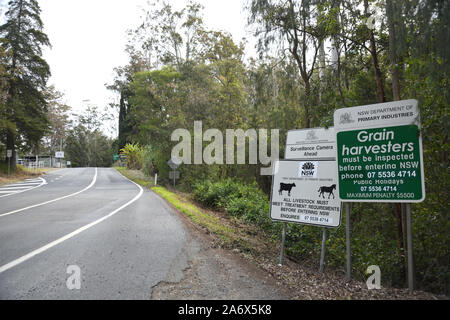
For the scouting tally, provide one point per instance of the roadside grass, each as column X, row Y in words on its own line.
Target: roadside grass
column 231, row 233
column 300, row 277
column 21, row 173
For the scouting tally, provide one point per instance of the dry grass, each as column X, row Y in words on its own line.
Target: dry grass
column 23, row 173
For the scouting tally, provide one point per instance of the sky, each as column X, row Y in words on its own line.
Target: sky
column 88, row 39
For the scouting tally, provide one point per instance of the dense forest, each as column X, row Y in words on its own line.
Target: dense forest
column 312, row 57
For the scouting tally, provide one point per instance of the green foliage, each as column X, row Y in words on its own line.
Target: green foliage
column 195, row 74
column 23, row 110
column 133, row 152
column 245, row 201
column 85, row 148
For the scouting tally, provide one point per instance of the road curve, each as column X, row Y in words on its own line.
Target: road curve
column 121, row 238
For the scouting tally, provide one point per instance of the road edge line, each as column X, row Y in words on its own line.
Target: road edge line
column 72, row 234
column 53, row 200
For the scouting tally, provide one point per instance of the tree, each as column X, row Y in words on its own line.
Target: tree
column 26, row 106
column 58, row 116
column 297, row 23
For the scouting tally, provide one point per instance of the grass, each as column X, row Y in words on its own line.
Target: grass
column 21, row 173
column 302, row 279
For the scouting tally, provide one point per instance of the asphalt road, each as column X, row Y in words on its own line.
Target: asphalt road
column 122, row 240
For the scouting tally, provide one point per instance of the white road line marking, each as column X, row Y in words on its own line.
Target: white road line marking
column 70, row 235
column 14, row 188
column 43, row 182
column 21, row 184
column 8, row 191
column 57, row 199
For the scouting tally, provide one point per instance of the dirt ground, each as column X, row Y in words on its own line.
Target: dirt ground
column 213, row 272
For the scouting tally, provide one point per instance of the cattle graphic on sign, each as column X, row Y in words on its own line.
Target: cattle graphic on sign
column 328, row 190
column 286, row 187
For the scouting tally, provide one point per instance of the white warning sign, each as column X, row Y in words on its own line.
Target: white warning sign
column 306, row 192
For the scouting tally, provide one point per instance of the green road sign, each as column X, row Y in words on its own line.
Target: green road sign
column 116, row 157
column 380, row 162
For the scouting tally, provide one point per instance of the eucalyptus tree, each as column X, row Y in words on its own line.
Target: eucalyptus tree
column 296, row 23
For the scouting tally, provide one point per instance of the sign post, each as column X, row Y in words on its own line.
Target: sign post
column 9, row 155
column 283, row 238
column 322, row 252
column 347, row 242
column 379, row 152
column 317, row 144
column 59, row 155
column 174, row 174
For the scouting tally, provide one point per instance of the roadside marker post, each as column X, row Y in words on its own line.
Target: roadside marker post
column 380, row 160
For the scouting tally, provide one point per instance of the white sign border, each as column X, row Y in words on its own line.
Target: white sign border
column 338, row 129
column 303, row 223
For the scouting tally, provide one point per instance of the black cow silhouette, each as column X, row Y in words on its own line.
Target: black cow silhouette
column 328, row 190
column 286, row 186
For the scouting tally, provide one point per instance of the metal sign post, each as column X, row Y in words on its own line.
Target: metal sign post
column 315, row 146
column 380, row 159
column 347, row 241
column 9, row 155
column 322, row 253
column 410, row 247
column 283, row 238
column 174, row 175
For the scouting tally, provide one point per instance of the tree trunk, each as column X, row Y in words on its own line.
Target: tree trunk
column 374, row 54
column 395, row 74
column 393, row 56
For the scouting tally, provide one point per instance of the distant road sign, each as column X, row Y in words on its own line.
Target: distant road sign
column 305, row 192
column 59, row 154
column 316, row 143
column 8, row 153
column 173, row 164
column 69, row 163
column 380, row 153
column 116, row 157
column 174, row 175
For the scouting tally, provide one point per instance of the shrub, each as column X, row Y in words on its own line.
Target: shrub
column 134, row 155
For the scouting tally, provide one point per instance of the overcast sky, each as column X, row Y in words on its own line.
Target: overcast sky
column 88, row 38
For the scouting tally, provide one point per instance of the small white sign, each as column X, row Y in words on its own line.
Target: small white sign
column 316, row 143
column 311, row 200
column 59, row 154
column 174, row 175
column 68, row 163
column 174, row 163
column 8, row 153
